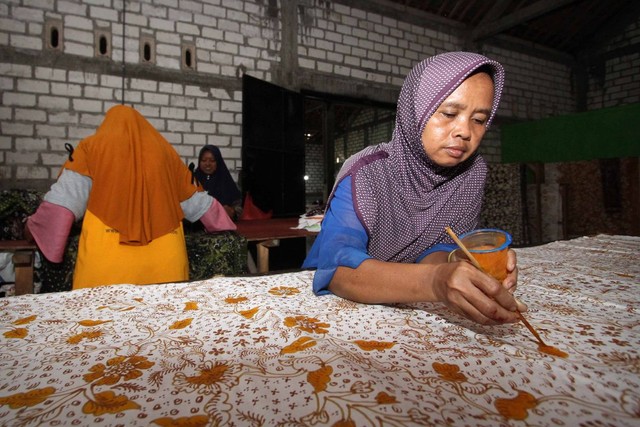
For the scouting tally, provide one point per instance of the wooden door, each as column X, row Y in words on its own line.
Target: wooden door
column 273, row 151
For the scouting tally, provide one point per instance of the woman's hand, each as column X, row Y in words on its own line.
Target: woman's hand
column 229, row 210
column 26, row 233
column 463, row 288
column 475, row 295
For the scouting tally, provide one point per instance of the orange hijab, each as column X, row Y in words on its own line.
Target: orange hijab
column 138, row 178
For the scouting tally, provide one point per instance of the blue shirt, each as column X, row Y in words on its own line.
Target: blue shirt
column 343, row 240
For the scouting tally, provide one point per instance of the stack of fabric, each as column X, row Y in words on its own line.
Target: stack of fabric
column 312, row 219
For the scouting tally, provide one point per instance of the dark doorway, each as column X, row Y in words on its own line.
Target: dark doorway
column 336, row 128
column 295, row 143
column 273, row 149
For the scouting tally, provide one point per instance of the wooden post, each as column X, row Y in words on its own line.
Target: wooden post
column 263, row 254
column 23, row 263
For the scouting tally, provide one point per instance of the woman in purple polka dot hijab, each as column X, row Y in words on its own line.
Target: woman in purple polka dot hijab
column 383, row 236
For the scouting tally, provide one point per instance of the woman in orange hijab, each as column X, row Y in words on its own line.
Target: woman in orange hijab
column 133, row 191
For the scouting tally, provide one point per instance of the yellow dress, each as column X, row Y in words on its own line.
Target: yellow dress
column 108, row 261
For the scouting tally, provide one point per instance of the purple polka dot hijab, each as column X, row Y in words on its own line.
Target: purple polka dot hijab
column 403, row 199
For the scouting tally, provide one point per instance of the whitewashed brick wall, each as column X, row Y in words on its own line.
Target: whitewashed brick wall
column 49, row 99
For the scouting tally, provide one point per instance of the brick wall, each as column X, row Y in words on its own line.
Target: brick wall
column 314, row 170
column 616, row 81
column 52, row 95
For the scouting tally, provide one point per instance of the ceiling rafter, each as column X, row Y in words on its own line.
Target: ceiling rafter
column 566, row 30
column 496, row 10
column 518, row 17
column 595, row 46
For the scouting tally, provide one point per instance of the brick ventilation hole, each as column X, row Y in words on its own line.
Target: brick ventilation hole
column 53, row 35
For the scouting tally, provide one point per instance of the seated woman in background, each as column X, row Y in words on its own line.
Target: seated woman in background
column 383, row 237
column 212, row 173
column 133, row 191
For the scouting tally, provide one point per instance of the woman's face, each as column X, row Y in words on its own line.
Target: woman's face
column 454, row 131
column 208, row 163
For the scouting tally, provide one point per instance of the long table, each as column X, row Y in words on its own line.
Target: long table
column 267, row 234
column 265, row 351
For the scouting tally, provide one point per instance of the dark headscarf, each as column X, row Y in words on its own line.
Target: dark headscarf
column 220, row 184
column 402, row 197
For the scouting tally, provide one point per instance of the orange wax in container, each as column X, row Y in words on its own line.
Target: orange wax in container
column 493, row 262
column 489, row 247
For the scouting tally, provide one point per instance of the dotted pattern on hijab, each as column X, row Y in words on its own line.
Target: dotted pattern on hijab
column 405, row 200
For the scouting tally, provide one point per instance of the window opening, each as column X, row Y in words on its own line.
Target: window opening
column 102, row 43
column 147, row 50
column 53, row 34
column 188, row 56
column 54, row 37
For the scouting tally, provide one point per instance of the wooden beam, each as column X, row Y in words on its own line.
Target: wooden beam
column 532, row 49
column 598, row 45
column 518, row 17
column 494, row 13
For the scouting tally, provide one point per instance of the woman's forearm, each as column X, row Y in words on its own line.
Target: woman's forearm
column 376, row 282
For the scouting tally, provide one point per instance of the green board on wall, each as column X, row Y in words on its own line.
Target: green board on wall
column 599, row 134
